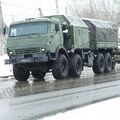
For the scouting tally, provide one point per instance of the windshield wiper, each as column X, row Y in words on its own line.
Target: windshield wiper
column 33, row 33
column 25, row 35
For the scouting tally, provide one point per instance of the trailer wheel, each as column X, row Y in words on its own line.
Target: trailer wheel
column 20, row 74
column 38, row 74
column 108, row 62
column 99, row 64
column 75, row 66
column 60, row 67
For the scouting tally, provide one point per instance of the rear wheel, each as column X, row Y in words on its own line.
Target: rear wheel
column 108, row 62
column 60, row 67
column 75, row 66
column 99, row 64
column 20, row 74
column 38, row 74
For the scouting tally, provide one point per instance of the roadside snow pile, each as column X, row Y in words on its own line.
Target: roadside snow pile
column 5, row 70
column 106, row 110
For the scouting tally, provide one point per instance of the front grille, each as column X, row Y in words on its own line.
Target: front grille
column 34, row 50
column 27, row 51
column 18, row 51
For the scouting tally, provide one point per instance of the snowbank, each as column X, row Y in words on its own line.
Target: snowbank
column 5, row 70
column 107, row 110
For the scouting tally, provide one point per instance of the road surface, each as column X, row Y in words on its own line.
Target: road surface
column 32, row 100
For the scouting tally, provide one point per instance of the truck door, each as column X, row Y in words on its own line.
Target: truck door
column 55, row 37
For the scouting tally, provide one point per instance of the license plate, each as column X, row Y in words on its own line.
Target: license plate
column 25, row 60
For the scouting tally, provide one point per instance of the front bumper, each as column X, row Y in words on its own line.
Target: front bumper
column 16, row 59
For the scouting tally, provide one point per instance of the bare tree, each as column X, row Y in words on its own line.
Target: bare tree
column 75, row 7
column 83, row 8
column 108, row 10
column 117, row 11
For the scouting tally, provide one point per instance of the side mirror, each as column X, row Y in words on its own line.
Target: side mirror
column 4, row 31
column 56, row 27
column 65, row 26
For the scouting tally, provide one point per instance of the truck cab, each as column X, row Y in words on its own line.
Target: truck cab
column 32, row 39
column 32, row 45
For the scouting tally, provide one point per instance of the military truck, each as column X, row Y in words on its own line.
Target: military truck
column 61, row 44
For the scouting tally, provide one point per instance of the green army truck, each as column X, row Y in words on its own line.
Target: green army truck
column 61, row 44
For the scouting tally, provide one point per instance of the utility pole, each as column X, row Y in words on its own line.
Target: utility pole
column 91, row 9
column 57, row 6
column 12, row 16
column 66, row 10
column 1, row 19
column 40, row 12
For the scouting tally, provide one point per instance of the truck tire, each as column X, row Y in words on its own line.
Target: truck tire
column 38, row 74
column 60, row 67
column 99, row 64
column 20, row 74
column 75, row 66
column 108, row 62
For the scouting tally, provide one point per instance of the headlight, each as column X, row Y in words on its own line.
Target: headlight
column 10, row 52
column 43, row 49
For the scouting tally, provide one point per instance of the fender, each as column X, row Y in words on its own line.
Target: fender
column 62, row 50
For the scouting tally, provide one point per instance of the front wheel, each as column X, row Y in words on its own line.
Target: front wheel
column 60, row 67
column 20, row 74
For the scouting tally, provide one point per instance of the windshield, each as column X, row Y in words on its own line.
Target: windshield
column 28, row 28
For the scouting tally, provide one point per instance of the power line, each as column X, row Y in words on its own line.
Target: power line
column 17, row 6
column 23, row 7
column 36, row 9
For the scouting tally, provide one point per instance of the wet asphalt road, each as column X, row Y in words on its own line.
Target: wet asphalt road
column 23, row 100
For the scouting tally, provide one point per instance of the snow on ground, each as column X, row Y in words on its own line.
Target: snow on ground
column 5, row 70
column 106, row 110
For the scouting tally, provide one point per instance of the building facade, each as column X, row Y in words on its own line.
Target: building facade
column 2, row 27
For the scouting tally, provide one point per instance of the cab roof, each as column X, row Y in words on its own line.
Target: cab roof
column 35, row 20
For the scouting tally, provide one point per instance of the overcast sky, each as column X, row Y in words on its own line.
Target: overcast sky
column 13, row 8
